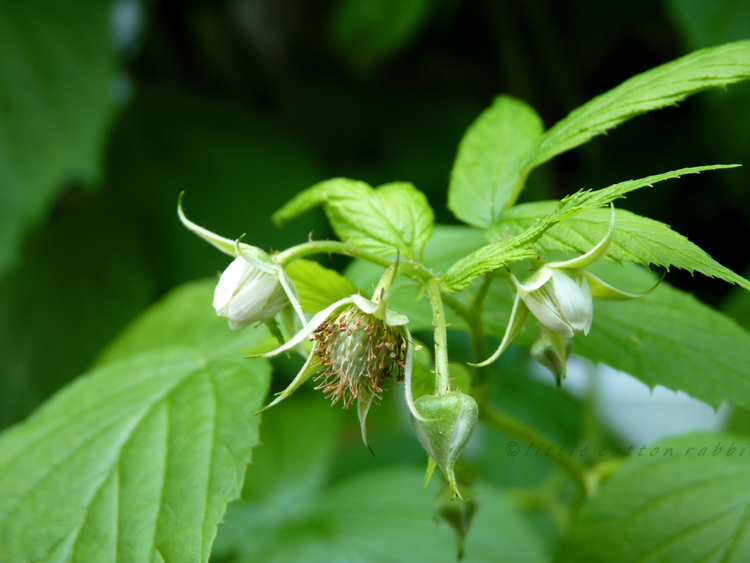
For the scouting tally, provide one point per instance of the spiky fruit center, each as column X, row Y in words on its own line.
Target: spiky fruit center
column 355, row 353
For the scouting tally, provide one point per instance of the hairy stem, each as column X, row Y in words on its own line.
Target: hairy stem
column 407, row 268
column 442, row 375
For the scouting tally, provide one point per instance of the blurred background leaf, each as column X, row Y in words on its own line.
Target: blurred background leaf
column 58, row 71
column 294, row 511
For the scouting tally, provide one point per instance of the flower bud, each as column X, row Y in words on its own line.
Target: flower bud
column 553, row 351
column 458, row 515
column 246, row 294
column 560, row 299
column 449, row 422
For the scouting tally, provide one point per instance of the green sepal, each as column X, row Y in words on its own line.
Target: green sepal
column 518, row 317
column 363, row 407
column 605, row 292
column 431, row 465
column 273, row 327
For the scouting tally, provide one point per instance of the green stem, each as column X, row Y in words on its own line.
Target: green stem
column 408, row 268
column 442, row 374
column 575, row 470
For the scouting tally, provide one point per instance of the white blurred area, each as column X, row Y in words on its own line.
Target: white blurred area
column 632, row 411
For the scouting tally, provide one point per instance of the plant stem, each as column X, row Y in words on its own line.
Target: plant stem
column 575, row 470
column 442, row 377
column 406, row 267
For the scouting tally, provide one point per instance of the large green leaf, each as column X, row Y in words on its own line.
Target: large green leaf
column 519, row 247
column 666, row 338
column 393, row 217
column 665, row 85
column 57, row 70
column 636, row 239
column 488, row 168
column 684, row 500
column 317, row 285
column 185, row 317
column 380, row 516
column 136, row 460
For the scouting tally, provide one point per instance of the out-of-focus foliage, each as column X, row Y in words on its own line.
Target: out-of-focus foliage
column 109, row 109
column 57, row 99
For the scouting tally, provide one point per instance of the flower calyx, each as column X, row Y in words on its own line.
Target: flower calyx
column 357, row 344
column 254, row 287
column 560, row 295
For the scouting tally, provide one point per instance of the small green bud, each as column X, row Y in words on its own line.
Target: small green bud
column 449, row 422
column 553, row 351
column 458, row 515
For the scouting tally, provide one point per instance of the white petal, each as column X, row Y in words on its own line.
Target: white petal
column 229, row 283
column 534, row 281
column 542, row 305
column 573, row 297
column 239, row 325
column 364, row 304
column 250, row 301
column 393, row 318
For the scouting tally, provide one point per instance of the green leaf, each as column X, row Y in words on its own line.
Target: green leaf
column 369, row 31
column 636, row 239
column 137, row 459
column 519, row 247
column 134, row 461
column 488, row 173
column 317, row 285
column 381, row 516
column 320, row 194
column 665, row 85
column 393, row 217
column 666, row 338
column 685, row 499
column 278, row 486
column 58, row 70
